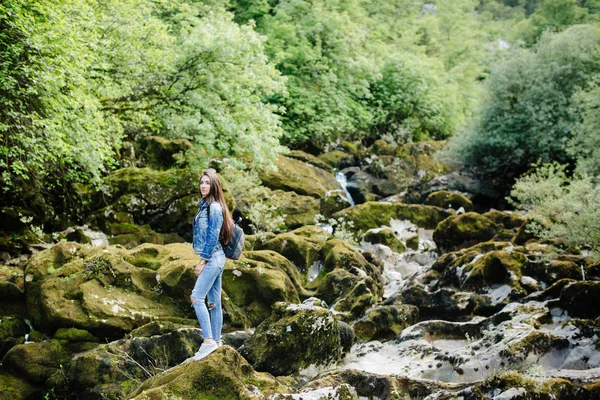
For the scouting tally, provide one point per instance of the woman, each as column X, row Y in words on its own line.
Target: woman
column 212, row 227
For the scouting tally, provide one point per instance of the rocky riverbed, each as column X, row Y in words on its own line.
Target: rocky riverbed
column 433, row 295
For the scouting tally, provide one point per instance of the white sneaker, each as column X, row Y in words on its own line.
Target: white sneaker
column 205, row 350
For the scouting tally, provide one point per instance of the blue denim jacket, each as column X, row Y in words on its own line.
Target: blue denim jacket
column 206, row 237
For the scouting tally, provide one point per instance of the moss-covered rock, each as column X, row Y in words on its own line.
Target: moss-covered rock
column 257, row 281
column 223, row 375
column 334, row 201
column 508, row 220
column 364, row 295
column 160, row 152
column 301, row 246
column 310, row 159
column 581, row 299
column 413, row 242
column 296, row 176
column 376, row 214
column 12, row 332
column 386, row 237
column 445, row 199
column 338, row 253
column 114, row 369
column 109, row 291
column 338, row 159
column 11, row 283
column 17, row 388
column 294, row 337
column 385, row 322
column 465, row 230
column 36, row 362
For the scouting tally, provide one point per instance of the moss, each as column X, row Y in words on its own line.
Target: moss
column 507, row 220
column 463, row 230
column 296, row 176
column 445, row 199
column 375, row 214
column 413, row 242
column 310, row 159
column 301, row 246
column 74, row 335
column 337, row 253
column 334, row 201
column 294, row 337
column 16, row 388
column 535, row 342
column 337, row 159
column 131, row 235
column 12, row 332
column 385, row 237
column 496, row 267
column 159, row 152
column 385, row 322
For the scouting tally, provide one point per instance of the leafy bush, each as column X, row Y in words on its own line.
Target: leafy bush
column 560, row 207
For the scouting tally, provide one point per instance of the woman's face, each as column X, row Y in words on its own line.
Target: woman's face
column 204, row 186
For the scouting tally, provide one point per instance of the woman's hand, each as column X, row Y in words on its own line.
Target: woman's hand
column 198, row 269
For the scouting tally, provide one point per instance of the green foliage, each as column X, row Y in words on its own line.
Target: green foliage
column 529, row 113
column 560, row 207
column 554, row 16
column 585, row 145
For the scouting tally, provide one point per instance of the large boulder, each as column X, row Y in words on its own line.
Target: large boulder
column 385, row 322
column 581, row 299
column 376, row 214
column 108, row 290
column 16, row 388
column 13, row 329
column 310, row 159
column 338, row 159
column 464, row 230
column 445, row 199
column 386, row 237
column 297, row 176
column 258, row 280
column 294, row 337
column 301, row 246
column 223, row 375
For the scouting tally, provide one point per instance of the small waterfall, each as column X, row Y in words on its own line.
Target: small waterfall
column 341, row 178
column 28, row 322
column 314, row 269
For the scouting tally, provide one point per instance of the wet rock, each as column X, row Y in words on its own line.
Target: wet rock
column 296, row 176
column 386, row 237
column 334, row 201
column 365, row 294
column 376, row 214
column 385, row 322
column 222, row 375
column 413, row 242
column 159, row 152
column 505, row 219
column 12, row 283
column 257, row 281
column 294, row 337
column 445, row 199
column 341, row 392
column 462, row 231
column 301, row 246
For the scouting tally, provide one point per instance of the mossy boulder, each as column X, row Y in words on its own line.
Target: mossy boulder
column 294, row 337
column 159, row 152
column 508, row 220
column 581, row 299
column 297, row 176
column 334, row 201
column 36, row 362
column 385, row 322
column 301, row 246
column 386, row 237
column 413, row 242
column 445, row 199
column 363, row 295
column 114, row 369
column 257, row 281
column 376, row 214
column 108, row 291
column 464, row 230
column 224, row 375
column 340, row 254
column 13, row 329
column 131, row 235
column 338, row 159
column 12, row 283
column 16, row 388
column 310, row 159
column 165, row 200
column 417, row 163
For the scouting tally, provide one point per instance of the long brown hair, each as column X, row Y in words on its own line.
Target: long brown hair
column 216, row 194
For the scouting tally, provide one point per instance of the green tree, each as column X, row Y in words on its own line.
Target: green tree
column 529, row 114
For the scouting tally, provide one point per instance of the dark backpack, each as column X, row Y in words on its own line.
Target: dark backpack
column 233, row 249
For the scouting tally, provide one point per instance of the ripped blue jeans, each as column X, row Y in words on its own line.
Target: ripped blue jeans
column 208, row 286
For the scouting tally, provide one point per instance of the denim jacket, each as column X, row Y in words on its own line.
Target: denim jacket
column 206, row 237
